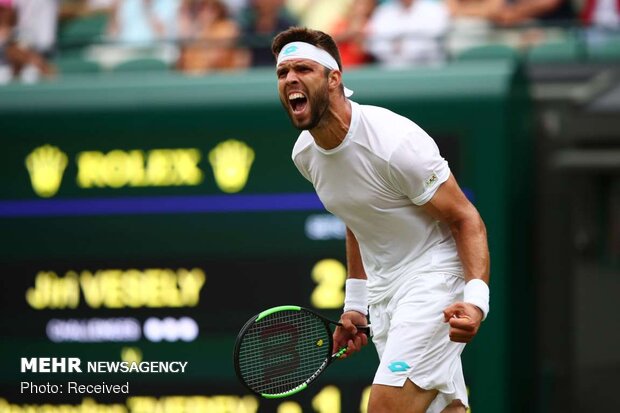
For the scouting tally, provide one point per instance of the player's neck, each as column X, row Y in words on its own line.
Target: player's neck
column 333, row 127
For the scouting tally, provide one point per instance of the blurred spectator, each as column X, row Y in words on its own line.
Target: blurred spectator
column 99, row 5
column 7, row 21
column 471, row 23
column 318, row 14
column 544, row 11
column 602, row 19
column 26, row 64
column 209, row 36
column 602, row 14
column 350, row 33
column 262, row 20
column 27, row 38
column 235, row 7
column 36, row 25
column 70, row 9
column 408, row 32
column 139, row 29
column 143, row 22
column 535, row 22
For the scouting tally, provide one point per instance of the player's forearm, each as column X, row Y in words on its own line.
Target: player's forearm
column 355, row 267
column 471, row 241
column 356, row 294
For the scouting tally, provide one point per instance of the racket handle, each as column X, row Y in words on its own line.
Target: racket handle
column 365, row 329
column 339, row 353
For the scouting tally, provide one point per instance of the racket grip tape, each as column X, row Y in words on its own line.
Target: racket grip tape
column 365, row 329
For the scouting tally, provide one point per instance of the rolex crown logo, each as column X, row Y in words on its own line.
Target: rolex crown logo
column 231, row 161
column 46, row 164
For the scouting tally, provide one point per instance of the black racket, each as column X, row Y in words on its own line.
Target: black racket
column 280, row 351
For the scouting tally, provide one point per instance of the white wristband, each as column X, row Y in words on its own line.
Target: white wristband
column 356, row 296
column 477, row 293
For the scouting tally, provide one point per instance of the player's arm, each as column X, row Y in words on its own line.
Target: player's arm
column 356, row 302
column 451, row 206
column 355, row 267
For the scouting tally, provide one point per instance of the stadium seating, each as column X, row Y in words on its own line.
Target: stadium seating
column 142, row 65
column 491, row 51
column 568, row 50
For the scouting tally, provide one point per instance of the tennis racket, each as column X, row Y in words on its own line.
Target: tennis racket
column 280, row 351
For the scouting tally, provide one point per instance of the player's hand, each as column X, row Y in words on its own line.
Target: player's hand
column 347, row 334
column 464, row 319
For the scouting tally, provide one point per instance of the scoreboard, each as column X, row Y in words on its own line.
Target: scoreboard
column 145, row 219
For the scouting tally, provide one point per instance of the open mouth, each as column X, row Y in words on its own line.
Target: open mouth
column 298, row 102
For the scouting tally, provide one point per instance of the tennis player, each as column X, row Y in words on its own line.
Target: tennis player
column 417, row 253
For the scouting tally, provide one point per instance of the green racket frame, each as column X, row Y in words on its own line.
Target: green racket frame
column 310, row 379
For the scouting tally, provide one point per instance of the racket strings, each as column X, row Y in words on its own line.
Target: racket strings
column 283, row 350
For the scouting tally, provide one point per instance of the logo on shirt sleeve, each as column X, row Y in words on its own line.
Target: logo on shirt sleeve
column 431, row 180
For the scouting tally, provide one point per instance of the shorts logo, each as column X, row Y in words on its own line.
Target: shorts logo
column 397, row 366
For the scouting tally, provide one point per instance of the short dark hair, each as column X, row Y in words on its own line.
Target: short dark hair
column 314, row 37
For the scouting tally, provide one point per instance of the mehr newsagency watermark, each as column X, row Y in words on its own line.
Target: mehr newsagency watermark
column 76, row 366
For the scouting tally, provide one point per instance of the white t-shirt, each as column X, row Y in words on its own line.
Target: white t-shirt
column 375, row 181
column 36, row 23
column 401, row 36
column 606, row 14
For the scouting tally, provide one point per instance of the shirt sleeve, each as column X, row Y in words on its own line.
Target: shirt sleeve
column 302, row 142
column 416, row 167
column 301, row 168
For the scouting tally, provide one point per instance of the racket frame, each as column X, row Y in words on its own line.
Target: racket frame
column 310, row 379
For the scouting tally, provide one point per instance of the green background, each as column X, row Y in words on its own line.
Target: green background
column 477, row 111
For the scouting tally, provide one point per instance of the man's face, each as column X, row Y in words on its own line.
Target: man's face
column 302, row 86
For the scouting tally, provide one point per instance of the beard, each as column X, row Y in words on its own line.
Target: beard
column 319, row 104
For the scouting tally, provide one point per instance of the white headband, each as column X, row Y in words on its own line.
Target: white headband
column 302, row 50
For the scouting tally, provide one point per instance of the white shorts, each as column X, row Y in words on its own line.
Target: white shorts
column 412, row 339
